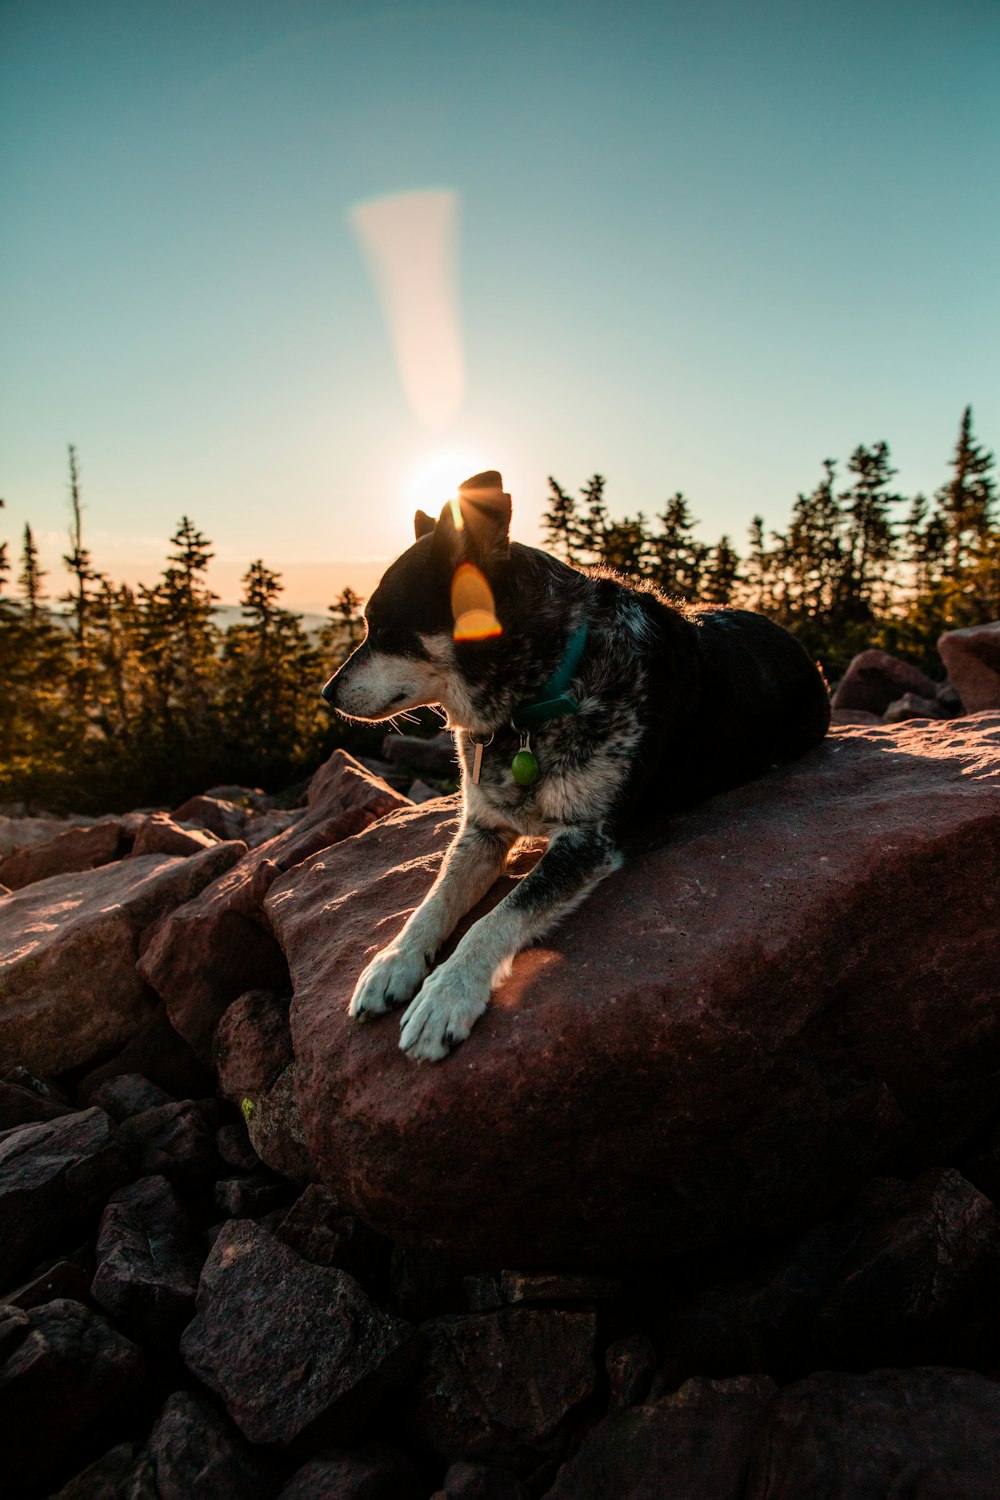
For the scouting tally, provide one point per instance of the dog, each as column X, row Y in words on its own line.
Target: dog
column 581, row 705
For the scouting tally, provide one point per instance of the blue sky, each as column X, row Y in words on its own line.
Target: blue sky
column 699, row 247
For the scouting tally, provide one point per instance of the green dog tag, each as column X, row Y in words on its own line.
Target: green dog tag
column 524, row 768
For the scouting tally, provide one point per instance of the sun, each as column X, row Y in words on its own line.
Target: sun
column 435, row 478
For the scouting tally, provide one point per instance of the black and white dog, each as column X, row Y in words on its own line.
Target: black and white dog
column 580, row 705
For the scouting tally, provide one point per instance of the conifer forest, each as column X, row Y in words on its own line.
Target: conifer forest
column 115, row 697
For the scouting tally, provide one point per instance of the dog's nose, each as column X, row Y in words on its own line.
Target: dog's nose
column 329, row 689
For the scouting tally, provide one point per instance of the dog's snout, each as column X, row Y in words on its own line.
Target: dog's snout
column 329, row 691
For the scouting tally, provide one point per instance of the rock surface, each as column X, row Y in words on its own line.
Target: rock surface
column 972, row 657
column 75, row 849
column 208, row 952
column 753, row 1010
column 160, row 834
column 69, row 989
column 148, row 1261
column 289, row 1346
column 874, row 679
column 194, row 1453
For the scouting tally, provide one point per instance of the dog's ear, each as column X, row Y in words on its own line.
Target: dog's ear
column 423, row 524
column 476, row 526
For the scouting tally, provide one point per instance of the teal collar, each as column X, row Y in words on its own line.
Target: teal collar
column 554, row 700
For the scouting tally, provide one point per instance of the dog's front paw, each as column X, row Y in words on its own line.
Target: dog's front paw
column 393, row 977
column 443, row 1014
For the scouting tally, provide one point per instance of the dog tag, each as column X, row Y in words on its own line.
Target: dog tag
column 477, row 757
column 524, row 766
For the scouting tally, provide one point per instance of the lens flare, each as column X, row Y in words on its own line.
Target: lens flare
column 472, row 605
column 410, row 241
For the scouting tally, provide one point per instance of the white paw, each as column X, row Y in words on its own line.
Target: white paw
column 393, row 977
column 443, row 1014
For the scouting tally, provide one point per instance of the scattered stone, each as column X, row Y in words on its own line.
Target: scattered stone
column 949, row 699
column 51, row 1174
column 159, row 834
column 696, row 1443
column 157, row 1053
column 275, row 1128
column 931, row 1433
column 250, row 1197
column 103, row 1479
column 233, row 1145
column 912, row 706
column 419, row 792
column 76, row 849
column 424, row 1285
column 915, row 1286
column 498, row 1387
column 18, row 831
column 65, row 1373
column 865, row 866
column 465, row 1481
column 148, row 1261
column 21, row 1106
column 176, row 1141
column 128, row 1094
column 69, row 990
column 630, row 1363
column 64, row 1278
column 376, row 1472
column 431, row 757
column 253, row 1044
column 972, row 657
column 291, row 1348
column 45, row 1088
column 251, row 797
column 317, row 1229
column 223, row 818
column 875, row 679
column 853, row 716
column 195, row 1453
column 557, row 1286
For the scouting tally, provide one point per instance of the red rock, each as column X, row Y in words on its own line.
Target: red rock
column 158, row 1054
column 69, row 990
column 377, row 1472
column 290, row 1347
column 176, row 1141
column 128, row 1094
column 148, row 1260
column 159, row 834
column 51, row 1174
column 194, row 1453
column 930, row 1433
column 696, row 1444
column 223, row 818
column 875, row 679
column 207, row 953
column 431, row 757
column 28, row 833
column 64, row 1278
column 76, row 849
column 252, row 1050
column 21, row 1106
column 912, row 706
column 972, row 657
column 730, row 1034
column 499, row 1386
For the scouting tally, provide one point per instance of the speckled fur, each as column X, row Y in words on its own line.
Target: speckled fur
column 674, row 704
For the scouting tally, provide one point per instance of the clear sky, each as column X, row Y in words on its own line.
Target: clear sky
column 696, row 246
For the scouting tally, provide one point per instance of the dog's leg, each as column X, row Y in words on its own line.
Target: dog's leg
column 456, row 994
column 472, row 864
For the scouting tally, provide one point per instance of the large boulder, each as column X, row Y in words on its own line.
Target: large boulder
column 874, row 679
column 208, row 952
column 69, row 990
column 972, row 657
column 74, row 849
column 776, row 992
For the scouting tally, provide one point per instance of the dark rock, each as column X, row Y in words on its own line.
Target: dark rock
column 159, row 834
column 482, row 1291
column 317, row 1229
column 69, row 989
column 431, row 757
column 949, row 699
column 770, row 1041
column 916, row 1286
column 695, row 1445
column 64, row 1374
column 465, row 1481
column 51, row 1174
column 250, row 1197
column 274, row 1125
column 912, row 706
column 253, row 797
column 933, row 1434
column 128, row 1094
column 875, row 679
column 630, row 1363
column 424, row 1285
column 253, row 1044
column 148, row 1261
column 419, row 792
column 854, row 716
column 557, row 1286
column 103, row 1479
column 45, row 1088
column 225, row 819
column 64, row 1278
column 157, row 1053
column 216, row 948
column 76, row 849
column 21, row 1106
column 233, row 1145
column 376, row 1472
column 972, row 657
column 195, row 1453
column 176, row 1141
column 499, row 1387
column 292, row 1348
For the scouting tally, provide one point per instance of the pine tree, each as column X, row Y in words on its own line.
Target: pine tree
column 31, row 575
column 561, row 523
column 676, row 557
column 966, row 502
column 594, row 523
column 870, row 537
column 722, row 570
column 78, row 562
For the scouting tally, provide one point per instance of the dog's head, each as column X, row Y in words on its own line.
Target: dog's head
column 416, row 648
